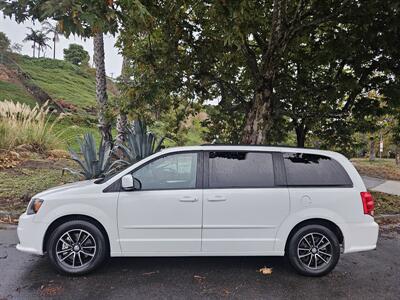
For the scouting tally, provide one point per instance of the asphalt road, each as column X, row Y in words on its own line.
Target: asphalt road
column 369, row 275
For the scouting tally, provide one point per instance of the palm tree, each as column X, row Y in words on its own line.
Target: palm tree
column 55, row 30
column 42, row 39
column 32, row 37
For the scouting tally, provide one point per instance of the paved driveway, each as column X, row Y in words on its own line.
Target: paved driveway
column 369, row 275
column 381, row 185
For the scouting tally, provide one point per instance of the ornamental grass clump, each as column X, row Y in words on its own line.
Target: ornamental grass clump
column 21, row 124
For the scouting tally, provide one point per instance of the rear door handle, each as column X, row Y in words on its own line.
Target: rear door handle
column 216, row 199
column 188, row 199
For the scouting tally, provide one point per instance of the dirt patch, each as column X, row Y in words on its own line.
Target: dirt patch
column 8, row 75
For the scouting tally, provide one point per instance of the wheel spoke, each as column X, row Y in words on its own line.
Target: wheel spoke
column 323, row 253
column 308, row 243
column 79, row 236
column 305, row 255
column 86, row 253
column 70, row 237
column 84, row 240
column 320, row 241
column 312, row 238
column 309, row 262
column 65, row 242
column 304, row 249
column 65, row 257
column 63, row 251
column 80, row 259
column 325, row 245
column 325, row 261
column 73, row 259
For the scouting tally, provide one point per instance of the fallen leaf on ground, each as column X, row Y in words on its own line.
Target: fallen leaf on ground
column 265, row 271
column 151, row 273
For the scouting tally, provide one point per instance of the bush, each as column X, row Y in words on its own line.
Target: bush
column 23, row 125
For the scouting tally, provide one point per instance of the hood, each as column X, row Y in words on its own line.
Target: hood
column 66, row 188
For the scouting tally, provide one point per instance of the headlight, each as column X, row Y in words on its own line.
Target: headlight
column 34, row 206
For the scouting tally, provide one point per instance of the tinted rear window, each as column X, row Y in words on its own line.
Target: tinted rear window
column 304, row 169
column 240, row 169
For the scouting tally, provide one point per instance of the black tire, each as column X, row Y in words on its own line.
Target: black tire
column 315, row 261
column 92, row 251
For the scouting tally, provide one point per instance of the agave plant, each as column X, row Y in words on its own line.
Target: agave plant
column 94, row 163
column 139, row 144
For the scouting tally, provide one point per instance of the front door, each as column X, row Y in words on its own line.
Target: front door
column 243, row 207
column 165, row 214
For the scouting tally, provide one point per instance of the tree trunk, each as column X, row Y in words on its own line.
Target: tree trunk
column 122, row 125
column 122, row 119
column 38, row 55
column 259, row 118
column 301, row 132
column 54, row 47
column 371, row 149
column 397, row 154
column 34, row 48
column 101, row 87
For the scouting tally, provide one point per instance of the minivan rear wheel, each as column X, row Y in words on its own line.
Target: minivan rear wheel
column 76, row 247
column 313, row 250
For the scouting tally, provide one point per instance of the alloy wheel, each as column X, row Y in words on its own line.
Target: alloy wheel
column 76, row 248
column 314, row 251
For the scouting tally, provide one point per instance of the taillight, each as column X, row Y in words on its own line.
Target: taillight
column 368, row 203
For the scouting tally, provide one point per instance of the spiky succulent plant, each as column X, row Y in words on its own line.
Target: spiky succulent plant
column 139, row 144
column 94, row 163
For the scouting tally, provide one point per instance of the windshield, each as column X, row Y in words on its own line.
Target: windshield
column 109, row 176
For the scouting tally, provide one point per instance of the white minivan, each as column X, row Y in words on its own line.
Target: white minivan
column 209, row 200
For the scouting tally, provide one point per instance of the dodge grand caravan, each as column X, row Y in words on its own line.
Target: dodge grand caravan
column 209, row 200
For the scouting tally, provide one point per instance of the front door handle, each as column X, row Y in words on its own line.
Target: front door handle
column 188, row 199
column 216, row 199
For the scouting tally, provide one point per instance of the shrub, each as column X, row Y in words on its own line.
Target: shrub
column 23, row 125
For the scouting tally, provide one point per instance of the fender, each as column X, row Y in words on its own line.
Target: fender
column 110, row 225
column 304, row 215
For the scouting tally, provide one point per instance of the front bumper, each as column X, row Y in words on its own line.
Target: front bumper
column 361, row 237
column 30, row 234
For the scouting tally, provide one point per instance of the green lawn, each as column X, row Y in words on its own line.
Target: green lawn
column 380, row 168
column 16, row 93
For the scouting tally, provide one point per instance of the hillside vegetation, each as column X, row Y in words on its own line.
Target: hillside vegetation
column 62, row 80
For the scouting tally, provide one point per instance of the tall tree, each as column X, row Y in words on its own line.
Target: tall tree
column 122, row 118
column 41, row 41
column 233, row 50
column 88, row 19
column 76, row 55
column 55, row 31
column 32, row 36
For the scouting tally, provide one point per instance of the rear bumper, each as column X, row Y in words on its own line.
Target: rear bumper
column 30, row 234
column 361, row 237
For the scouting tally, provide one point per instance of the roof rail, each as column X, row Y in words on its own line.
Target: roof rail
column 259, row 145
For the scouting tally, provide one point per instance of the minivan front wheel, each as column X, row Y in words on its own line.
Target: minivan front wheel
column 76, row 247
column 314, row 250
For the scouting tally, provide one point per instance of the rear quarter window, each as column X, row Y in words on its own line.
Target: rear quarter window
column 303, row 169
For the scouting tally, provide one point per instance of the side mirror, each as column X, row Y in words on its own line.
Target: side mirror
column 130, row 183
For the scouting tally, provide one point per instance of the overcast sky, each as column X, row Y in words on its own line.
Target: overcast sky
column 16, row 33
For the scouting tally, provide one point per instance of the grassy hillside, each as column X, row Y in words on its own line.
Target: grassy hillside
column 62, row 80
column 12, row 91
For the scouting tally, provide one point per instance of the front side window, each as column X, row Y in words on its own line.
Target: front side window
column 240, row 169
column 176, row 171
column 303, row 169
